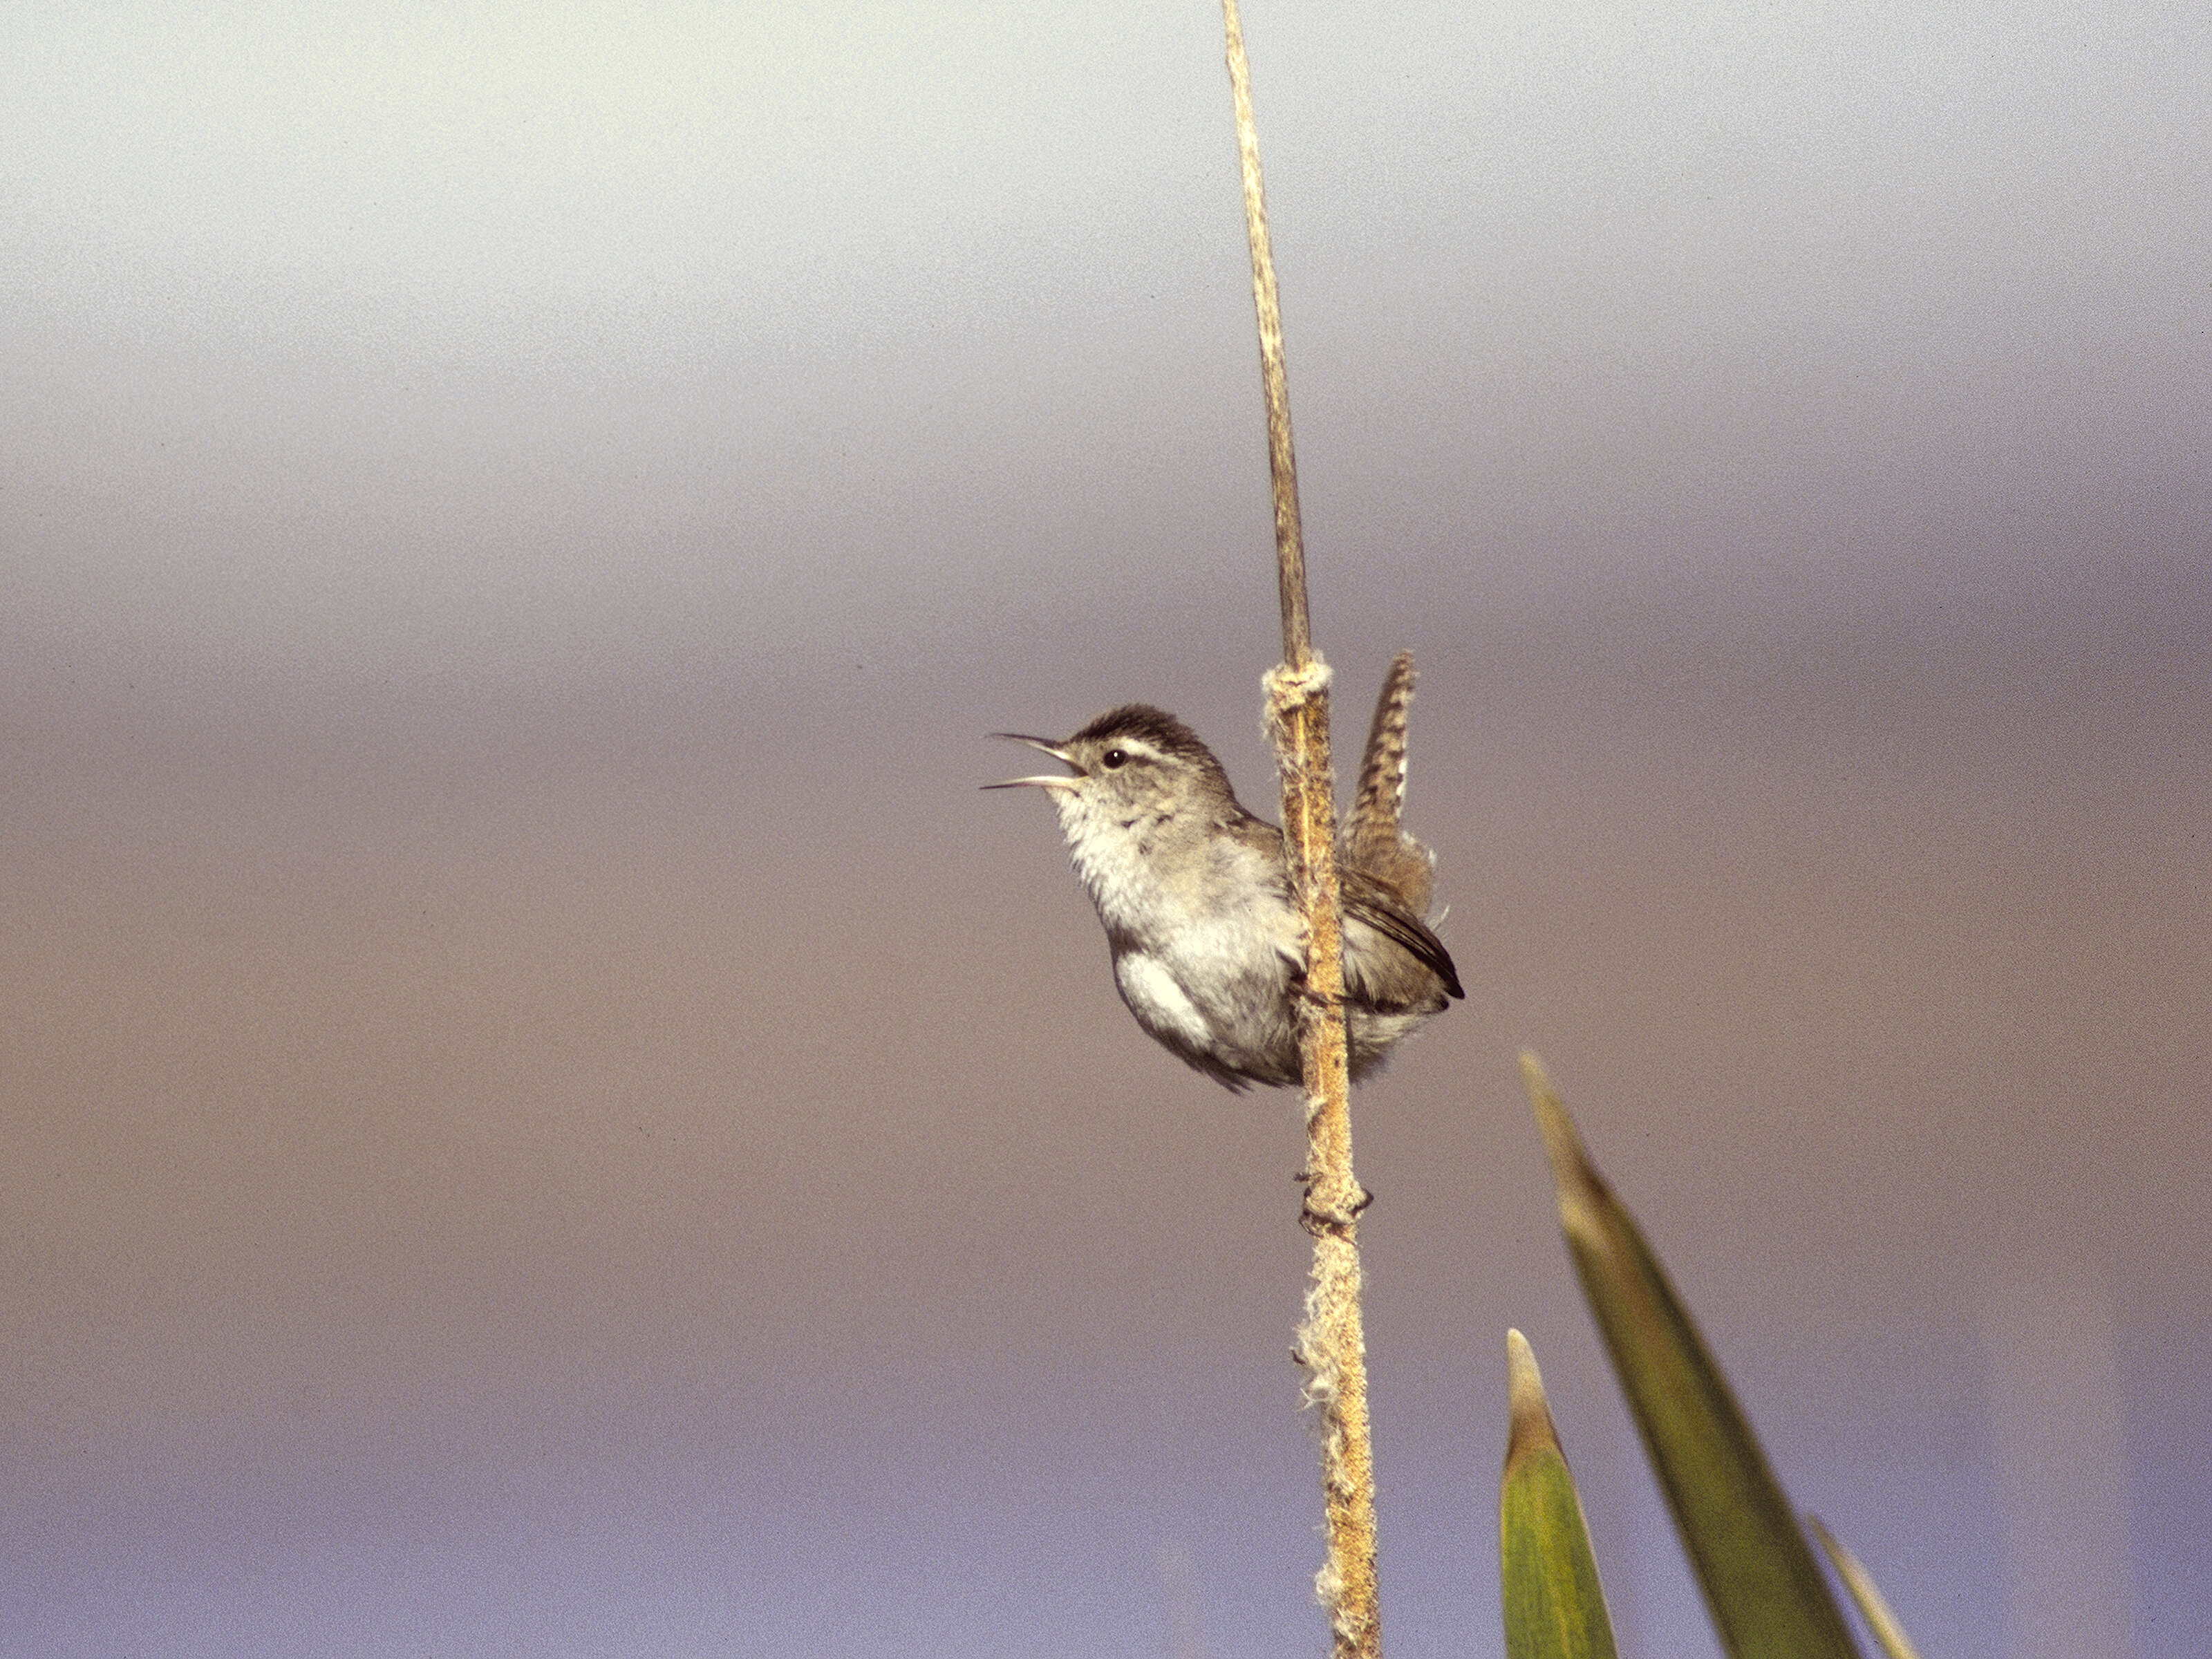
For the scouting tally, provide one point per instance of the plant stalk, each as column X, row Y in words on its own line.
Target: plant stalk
column 1331, row 1344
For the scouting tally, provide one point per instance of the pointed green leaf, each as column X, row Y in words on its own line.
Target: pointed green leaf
column 1554, row 1606
column 1860, row 1582
column 1762, row 1586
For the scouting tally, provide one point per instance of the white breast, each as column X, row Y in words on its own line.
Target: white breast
column 1162, row 1006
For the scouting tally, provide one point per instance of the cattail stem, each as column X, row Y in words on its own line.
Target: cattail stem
column 1282, row 462
column 1331, row 1345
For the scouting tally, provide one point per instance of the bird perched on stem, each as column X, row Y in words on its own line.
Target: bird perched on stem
column 1207, row 945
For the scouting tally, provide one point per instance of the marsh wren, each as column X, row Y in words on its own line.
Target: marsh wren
column 1208, row 949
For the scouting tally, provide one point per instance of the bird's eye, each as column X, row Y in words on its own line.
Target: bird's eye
column 1113, row 758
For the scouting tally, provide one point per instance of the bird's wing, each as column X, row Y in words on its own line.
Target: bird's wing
column 1372, row 903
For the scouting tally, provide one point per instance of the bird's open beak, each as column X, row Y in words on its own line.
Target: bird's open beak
column 1041, row 745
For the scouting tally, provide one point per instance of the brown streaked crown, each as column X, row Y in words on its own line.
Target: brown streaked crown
column 1155, row 727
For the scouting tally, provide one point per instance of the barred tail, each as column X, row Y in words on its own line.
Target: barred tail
column 1374, row 840
column 1372, row 831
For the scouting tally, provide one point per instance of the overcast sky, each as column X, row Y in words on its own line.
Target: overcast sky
column 546, row 1115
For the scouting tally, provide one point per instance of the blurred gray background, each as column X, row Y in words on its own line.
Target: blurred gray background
column 545, row 1115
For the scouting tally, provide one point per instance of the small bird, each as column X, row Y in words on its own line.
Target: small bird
column 1208, row 949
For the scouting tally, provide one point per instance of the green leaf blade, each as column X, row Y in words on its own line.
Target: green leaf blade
column 1762, row 1586
column 1872, row 1606
column 1554, row 1605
